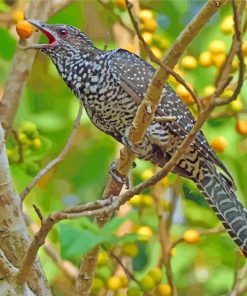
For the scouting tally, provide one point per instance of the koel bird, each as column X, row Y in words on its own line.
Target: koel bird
column 111, row 85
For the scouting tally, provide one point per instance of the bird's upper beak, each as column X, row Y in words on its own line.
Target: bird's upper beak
column 46, row 30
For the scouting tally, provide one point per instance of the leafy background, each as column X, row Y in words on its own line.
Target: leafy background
column 205, row 268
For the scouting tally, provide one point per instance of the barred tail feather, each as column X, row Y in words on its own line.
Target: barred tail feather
column 229, row 210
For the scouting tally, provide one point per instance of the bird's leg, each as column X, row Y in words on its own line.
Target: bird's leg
column 115, row 174
column 141, row 149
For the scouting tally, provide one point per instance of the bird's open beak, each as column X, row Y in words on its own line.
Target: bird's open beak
column 44, row 28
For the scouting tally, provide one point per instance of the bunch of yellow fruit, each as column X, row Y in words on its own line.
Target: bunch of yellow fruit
column 28, row 137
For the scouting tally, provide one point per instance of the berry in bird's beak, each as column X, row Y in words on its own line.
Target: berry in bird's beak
column 44, row 28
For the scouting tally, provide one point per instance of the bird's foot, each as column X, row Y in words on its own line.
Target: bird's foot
column 115, row 174
column 139, row 149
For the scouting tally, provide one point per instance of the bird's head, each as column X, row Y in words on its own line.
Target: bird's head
column 61, row 39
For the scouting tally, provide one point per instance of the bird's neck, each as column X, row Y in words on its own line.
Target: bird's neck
column 71, row 68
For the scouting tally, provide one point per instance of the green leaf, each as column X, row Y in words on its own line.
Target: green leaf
column 121, row 240
column 114, row 224
column 76, row 242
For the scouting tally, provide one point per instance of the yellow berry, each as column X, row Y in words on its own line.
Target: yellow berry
column 36, row 144
column 28, row 128
column 130, row 249
column 146, row 174
column 208, row 90
column 24, row 29
column 241, row 127
column 146, row 15
column 157, row 52
column 148, row 37
column 147, row 283
column 103, row 259
column 136, row 200
column 191, row 237
column 145, row 233
column 184, row 95
column 124, row 281
column 227, row 25
column 205, row 59
column 114, row 283
column 227, row 93
column 237, row 105
column 150, row 25
column 147, row 200
column 23, row 138
column 218, row 144
column 17, row 15
column 165, row 182
column 156, row 274
column 217, row 46
column 163, row 290
column 219, row 59
column 189, row 62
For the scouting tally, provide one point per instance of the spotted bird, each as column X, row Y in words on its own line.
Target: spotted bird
column 111, row 85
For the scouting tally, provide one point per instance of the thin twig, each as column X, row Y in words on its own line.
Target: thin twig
column 164, row 242
column 38, row 212
column 240, row 277
column 126, row 270
column 59, row 158
column 164, row 118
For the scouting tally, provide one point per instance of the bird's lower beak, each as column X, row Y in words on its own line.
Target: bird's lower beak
column 44, row 28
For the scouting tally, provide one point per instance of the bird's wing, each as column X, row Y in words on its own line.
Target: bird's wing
column 134, row 75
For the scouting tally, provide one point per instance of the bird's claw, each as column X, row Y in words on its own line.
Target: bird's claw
column 115, row 174
column 138, row 149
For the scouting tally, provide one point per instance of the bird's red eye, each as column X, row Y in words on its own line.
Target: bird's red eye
column 63, row 33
